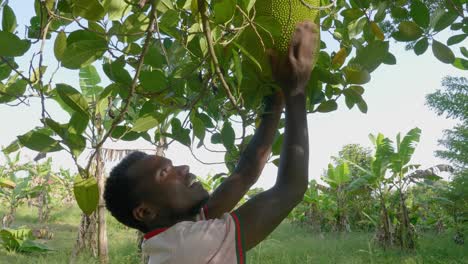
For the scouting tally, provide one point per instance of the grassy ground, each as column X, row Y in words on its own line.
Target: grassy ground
column 288, row 244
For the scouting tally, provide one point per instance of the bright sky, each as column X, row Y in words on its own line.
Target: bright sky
column 395, row 96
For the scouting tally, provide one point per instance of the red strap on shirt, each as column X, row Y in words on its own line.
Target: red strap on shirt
column 155, row 232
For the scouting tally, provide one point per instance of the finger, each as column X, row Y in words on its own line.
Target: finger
column 310, row 41
column 295, row 43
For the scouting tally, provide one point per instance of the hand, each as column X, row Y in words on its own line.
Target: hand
column 293, row 72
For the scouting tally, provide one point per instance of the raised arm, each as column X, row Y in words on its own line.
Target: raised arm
column 251, row 163
column 264, row 212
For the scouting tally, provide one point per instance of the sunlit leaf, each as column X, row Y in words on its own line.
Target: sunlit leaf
column 8, row 19
column 86, row 194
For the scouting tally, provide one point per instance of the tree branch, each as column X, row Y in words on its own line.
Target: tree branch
column 214, row 59
column 120, row 117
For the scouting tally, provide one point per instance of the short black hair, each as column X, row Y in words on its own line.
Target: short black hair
column 120, row 192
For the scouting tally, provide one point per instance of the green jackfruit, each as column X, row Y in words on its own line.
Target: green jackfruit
column 275, row 22
column 287, row 13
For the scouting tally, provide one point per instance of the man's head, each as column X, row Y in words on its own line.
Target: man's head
column 145, row 191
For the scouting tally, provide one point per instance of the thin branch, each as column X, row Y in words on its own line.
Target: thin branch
column 41, row 57
column 161, row 42
column 120, row 117
column 214, row 59
column 203, row 162
column 214, row 151
column 460, row 12
column 251, row 23
column 15, row 70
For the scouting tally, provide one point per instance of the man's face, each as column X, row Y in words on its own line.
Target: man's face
column 168, row 187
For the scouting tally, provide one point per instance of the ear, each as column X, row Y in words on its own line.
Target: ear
column 144, row 213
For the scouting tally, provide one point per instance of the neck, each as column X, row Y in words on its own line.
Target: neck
column 167, row 219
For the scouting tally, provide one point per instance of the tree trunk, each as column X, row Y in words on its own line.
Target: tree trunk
column 102, row 226
column 9, row 217
column 43, row 210
column 86, row 237
column 406, row 233
column 384, row 233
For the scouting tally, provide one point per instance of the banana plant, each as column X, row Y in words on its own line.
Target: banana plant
column 375, row 177
column 399, row 166
column 14, row 197
column 338, row 178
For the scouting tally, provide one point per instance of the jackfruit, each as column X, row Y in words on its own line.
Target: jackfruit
column 288, row 13
column 275, row 22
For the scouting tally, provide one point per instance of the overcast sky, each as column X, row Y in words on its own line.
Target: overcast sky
column 395, row 96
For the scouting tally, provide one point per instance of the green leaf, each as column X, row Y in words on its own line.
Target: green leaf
column 246, row 53
column 420, row 13
column 325, row 75
column 14, row 146
column 356, row 27
column 89, row 78
column 117, row 73
column 327, row 106
column 352, row 14
column 389, row 59
column 78, row 123
column 356, row 75
column 76, row 143
column 116, row 9
column 60, row 45
column 86, row 194
column 12, row 46
column 461, row 63
column 216, row 138
column 56, row 127
column 90, row 9
column 408, row 31
column 198, row 127
column 83, row 48
column 153, row 81
column 169, row 20
column 371, row 56
column 464, row 51
column 15, row 89
column 154, row 57
column 456, row 39
column 362, row 105
column 73, row 98
column 399, row 12
column 421, row 46
column 442, row 52
column 381, row 12
column 39, row 142
column 145, row 123
column 8, row 19
column 224, row 10
column 278, row 144
column 228, row 135
column 135, row 23
column 445, row 20
column 124, row 133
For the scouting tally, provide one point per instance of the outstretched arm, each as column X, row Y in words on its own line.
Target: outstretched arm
column 264, row 212
column 251, row 163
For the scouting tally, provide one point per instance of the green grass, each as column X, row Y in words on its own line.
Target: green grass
column 288, row 244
